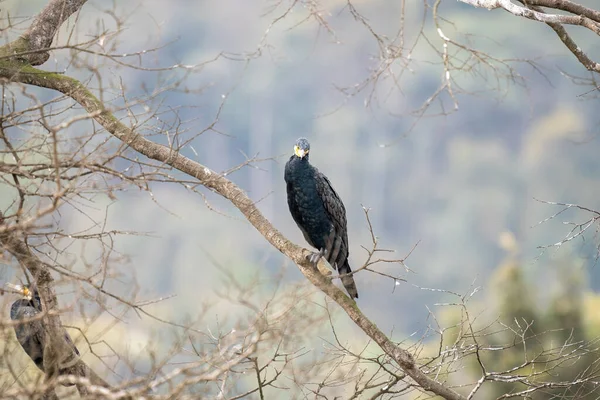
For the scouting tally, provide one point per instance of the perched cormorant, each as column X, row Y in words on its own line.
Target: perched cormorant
column 31, row 334
column 318, row 212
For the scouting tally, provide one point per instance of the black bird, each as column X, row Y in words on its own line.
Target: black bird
column 318, row 212
column 31, row 334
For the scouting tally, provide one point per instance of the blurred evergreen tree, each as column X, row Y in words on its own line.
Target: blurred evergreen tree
column 542, row 338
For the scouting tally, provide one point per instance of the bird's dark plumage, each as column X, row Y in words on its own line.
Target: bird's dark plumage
column 31, row 334
column 318, row 212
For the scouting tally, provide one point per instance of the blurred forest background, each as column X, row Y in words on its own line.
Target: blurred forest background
column 462, row 183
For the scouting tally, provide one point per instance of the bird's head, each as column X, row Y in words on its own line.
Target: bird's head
column 23, row 290
column 302, row 148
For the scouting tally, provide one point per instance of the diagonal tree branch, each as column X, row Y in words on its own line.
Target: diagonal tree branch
column 562, row 33
column 224, row 187
column 568, row 6
column 583, row 16
column 581, row 56
column 528, row 13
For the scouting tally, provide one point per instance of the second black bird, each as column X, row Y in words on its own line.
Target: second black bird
column 31, row 334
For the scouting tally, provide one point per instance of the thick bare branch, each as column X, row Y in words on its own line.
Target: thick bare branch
column 564, row 36
column 40, row 34
column 536, row 15
column 583, row 16
column 568, row 6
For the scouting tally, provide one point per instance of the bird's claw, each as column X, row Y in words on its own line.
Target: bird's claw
column 315, row 257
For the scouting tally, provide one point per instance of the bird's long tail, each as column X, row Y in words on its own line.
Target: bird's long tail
column 348, row 280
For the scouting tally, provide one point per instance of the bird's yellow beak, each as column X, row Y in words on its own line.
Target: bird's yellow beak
column 21, row 289
column 299, row 152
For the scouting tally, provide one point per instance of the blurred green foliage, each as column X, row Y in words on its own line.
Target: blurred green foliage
column 531, row 336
